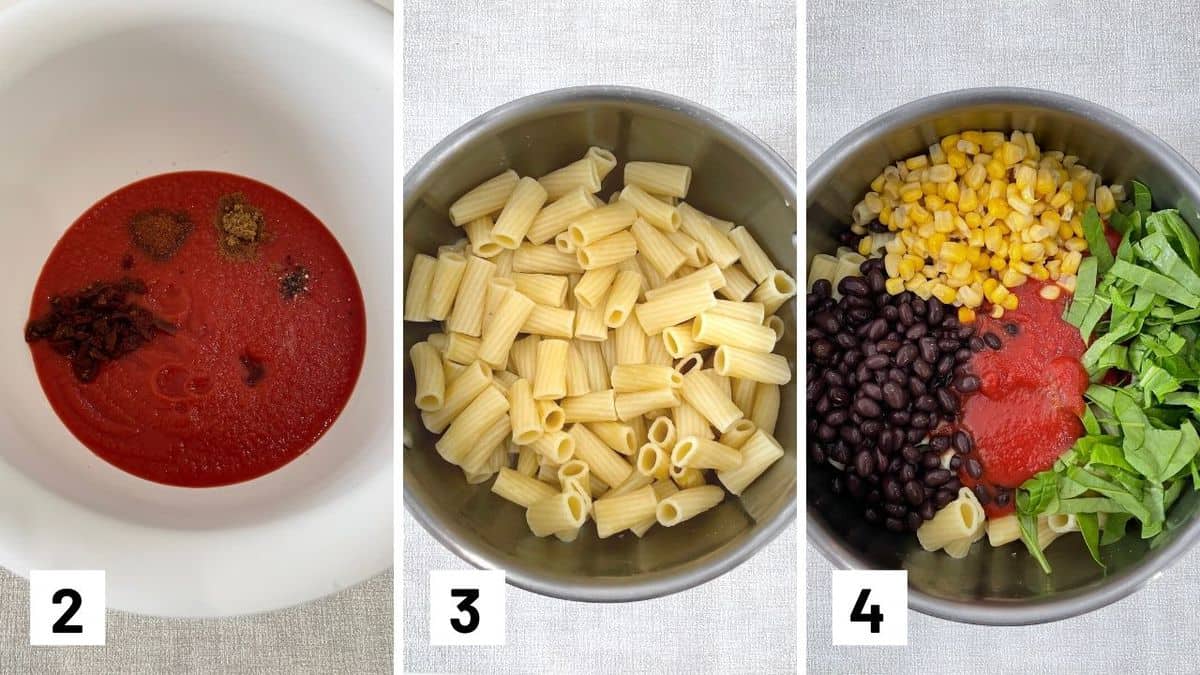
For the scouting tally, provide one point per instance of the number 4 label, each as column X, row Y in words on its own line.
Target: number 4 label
column 466, row 607
column 66, row 607
column 870, row 607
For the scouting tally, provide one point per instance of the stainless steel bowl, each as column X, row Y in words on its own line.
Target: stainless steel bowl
column 1001, row 586
column 736, row 177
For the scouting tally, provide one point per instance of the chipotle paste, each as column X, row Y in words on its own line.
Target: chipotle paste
column 227, row 379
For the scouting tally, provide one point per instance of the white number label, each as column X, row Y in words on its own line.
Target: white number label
column 870, row 607
column 466, row 607
column 66, row 607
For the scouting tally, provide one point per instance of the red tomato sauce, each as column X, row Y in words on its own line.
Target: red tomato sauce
column 1026, row 413
column 179, row 410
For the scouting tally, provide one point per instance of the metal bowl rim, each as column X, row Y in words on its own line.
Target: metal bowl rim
column 655, row 584
column 1009, row 613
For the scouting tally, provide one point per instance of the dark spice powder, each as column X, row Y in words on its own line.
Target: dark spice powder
column 293, row 280
column 240, row 226
column 255, row 370
column 158, row 232
column 98, row 324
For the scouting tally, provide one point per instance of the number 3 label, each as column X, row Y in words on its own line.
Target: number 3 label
column 66, row 607
column 466, row 607
column 870, row 607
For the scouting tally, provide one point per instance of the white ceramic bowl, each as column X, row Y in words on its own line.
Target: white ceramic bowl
column 96, row 95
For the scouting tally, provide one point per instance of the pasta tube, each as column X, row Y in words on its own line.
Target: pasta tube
column 550, row 378
column 754, row 260
column 521, row 489
column 554, row 218
column 759, row 452
column 717, row 247
column 659, row 179
column 640, row 377
column 687, row 504
column 544, row 289
column 614, row 514
column 707, row 397
column 501, row 331
column 597, row 406
column 621, row 298
column 616, row 435
column 430, row 376
column 604, row 462
column 446, row 277
column 526, row 426
column 693, row 452
column 659, row 214
column 559, row 512
column 467, row 315
column 485, row 199
column 420, row 278
column 479, row 233
column 758, row 366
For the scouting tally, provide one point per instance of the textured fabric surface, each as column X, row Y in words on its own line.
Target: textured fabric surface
column 463, row 58
column 350, row 632
column 1140, row 59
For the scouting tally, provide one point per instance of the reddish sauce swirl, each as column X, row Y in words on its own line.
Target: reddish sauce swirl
column 1026, row 412
column 250, row 379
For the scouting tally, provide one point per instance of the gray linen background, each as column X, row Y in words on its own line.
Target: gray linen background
column 350, row 632
column 1141, row 59
column 465, row 57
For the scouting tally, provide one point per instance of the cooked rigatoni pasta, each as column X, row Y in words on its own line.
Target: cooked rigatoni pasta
column 674, row 308
column 622, row 296
column 557, row 513
column 520, row 488
column 550, row 322
column 500, row 332
column 467, row 315
column 757, row 366
column 446, row 277
column 659, row 179
column 571, row 365
column 660, row 214
column 754, row 260
column 614, row 514
column 775, row 290
column 961, row 519
column 522, row 412
column 554, row 218
column 430, row 376
column 596, row 406
column 708, row 398
column 1003, row 530
column 717, row 247
column 544, row 259
column 717, row 330
column 765, row 413
column 593, row 286
column 544, row 289
column 607, row 251
column 738, row 285
column 488, row 198
column 550, row 375
column 687, row 504
column 420, row 279
column 616, row 435
column 640, row 377
column 582, row 173
column 759, row 452
column 657, row 248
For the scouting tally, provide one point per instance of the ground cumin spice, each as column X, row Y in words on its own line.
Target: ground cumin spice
column 96, row 325
column 293, row 279
column 240, row 226
column 158, row 232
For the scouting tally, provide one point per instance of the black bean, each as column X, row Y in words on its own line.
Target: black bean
column 962, row 442
column 906, row 315
column 900, row 418
column 888, row 346
column 931, row 461
column 992, row 340
column 822, row 350
column 1011, row 328
column 834, row 379
column 965, row 332
column 862, row 373
column 967, row 383
column 953, row 485
column 897, row 375
column 927, row 511
column 974, row 468
column 982, row 493
column 886, row 441
column 916, row 331
column 858, row 314
column 946, row 400
column 963, row 355
column 922, row 368
column 942, row 498
column 890, row 313
column 851, row 434
column 827, row 322
column 955, row 462
column 840, row 453
column 837, row 417
column 864, row 463
column 877, row 329
column 893, row 492
column 822, row 288
column 894, row 395
column 855, row 486
column 854, row 286
column 839, row 396
column 846, row 341
column 918, row 306
column 920, row 421
column 1002, row 497
column 893, row 524
column 826, row 432
column 823, row 405
column 911, row 454
column 871, row 428
column 977, row 344
column 867, row 407
column 876, row 281
column 945, row 364
column 873, row 497
column 816, row 452
column 913, row 521
column 914, row 493
column 872, row 264
column 907, row 472
column 907, row 354
column 851, row 359
column 937, row 477
column 871, row 515
column 872, row 390
column 936, row 313
column 917, row 387
column 926, row 403
column 895, row 510
column 877, row 361
column 914, row 435
column 940, row 443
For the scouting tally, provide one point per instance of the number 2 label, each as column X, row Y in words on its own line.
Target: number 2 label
column 66, row 607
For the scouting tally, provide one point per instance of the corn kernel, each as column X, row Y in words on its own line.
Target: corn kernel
column 967, row 200
column 911, row 192
column 1010, row 153
column 951, row 193
column 935, row 202
column 917, row 162
column 1012, row 278
column 943, row 221
column 864, row 246
column 953, row 252
column 934, row 243
column 920, row 215
column 894, row 286
column 956, row 159
column 966, row 146
column 997, row 311
column 1010, row 303
column 998, row 264
column 942, row 173
column 1104, row 200
column 1067, row 281
column 944, row 293
column 991, row 140
column 966, row 315
column 1077, row 244
column 1033, row 252
column 949, row 142
column 1071, row 261
column 996, row 169
column 975, row 176
column 1040, row 272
